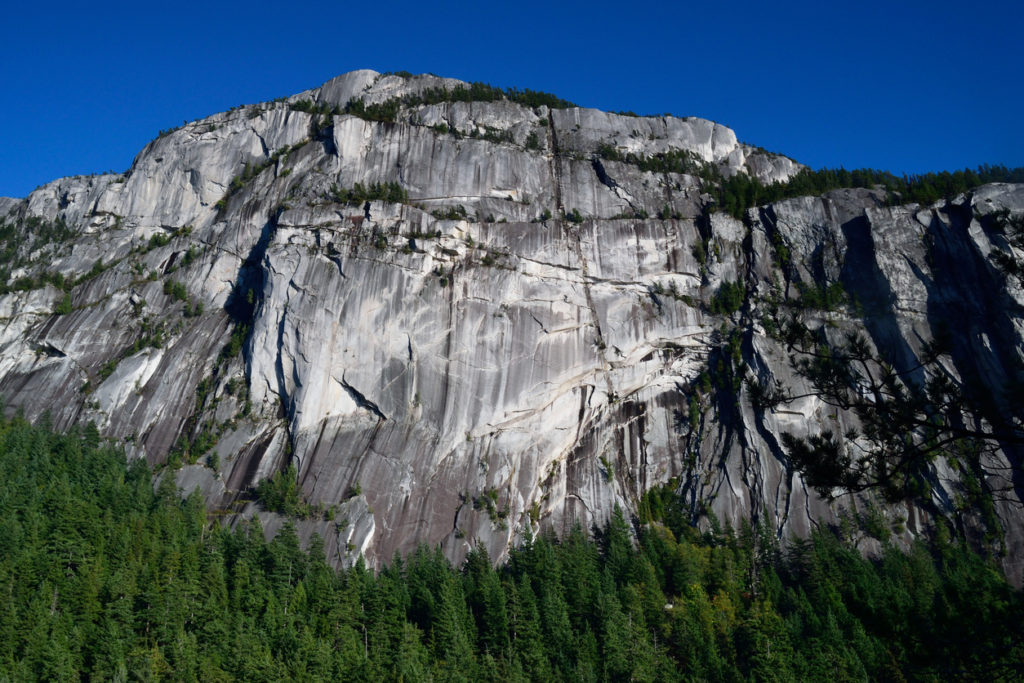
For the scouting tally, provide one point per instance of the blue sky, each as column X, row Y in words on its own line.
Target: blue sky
column 904, row 86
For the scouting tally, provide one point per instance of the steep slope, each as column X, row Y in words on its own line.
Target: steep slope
column 459, row 320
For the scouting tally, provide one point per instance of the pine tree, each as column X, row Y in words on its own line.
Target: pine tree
column 453, row 634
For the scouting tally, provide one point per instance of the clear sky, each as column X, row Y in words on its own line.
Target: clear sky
column 904, row 86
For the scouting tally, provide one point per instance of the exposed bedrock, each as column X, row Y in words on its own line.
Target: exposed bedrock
column 518, row 339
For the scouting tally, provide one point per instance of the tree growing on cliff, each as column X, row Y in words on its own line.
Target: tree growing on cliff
column 906, row 417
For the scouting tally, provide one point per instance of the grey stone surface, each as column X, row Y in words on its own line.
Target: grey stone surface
column 474, row 377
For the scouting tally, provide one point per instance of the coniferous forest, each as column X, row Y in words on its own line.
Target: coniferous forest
column 106, row 576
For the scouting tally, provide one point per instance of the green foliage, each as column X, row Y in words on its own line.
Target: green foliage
column 175, row 290
column 728, row 299
column 693, row 413
column 492, row 134
column 537, row 98
column 17, row 241
column 488, row 501
column 20, row 242
column 159, row 240
column 151, row 336
column 667, row 212
column 190, row 256
column 1012, row 228
column 574, row 216
column 672, row 161
column 415, row 234
column 310, row 107
column 387, row 192
column 782, row 257
column 740, row 192
column 106, row 576
column 450, row 213
column 700, row 253
column 280, row 493
column 233, row 348
column 822, row 297
column 380, row 111
column 908, row 415
column 654, row 503
column 205, row 440
column 387, row 111
column 64, row 307
column 30, row 282
column 250, row 171
column 108, row 369
column 193, row 309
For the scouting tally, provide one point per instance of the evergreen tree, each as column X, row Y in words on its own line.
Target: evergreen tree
column 142, row 586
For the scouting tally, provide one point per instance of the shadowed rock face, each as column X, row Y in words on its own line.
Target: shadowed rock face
column 465, row 364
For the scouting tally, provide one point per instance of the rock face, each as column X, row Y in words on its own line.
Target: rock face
column 509, row 340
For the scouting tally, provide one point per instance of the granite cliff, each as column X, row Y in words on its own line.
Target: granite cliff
column 462, row 320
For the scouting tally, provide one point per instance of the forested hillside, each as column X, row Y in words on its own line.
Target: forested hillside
column 105, row 576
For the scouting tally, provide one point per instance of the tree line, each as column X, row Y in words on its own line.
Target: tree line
column 105, row 575
column 740, row 192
